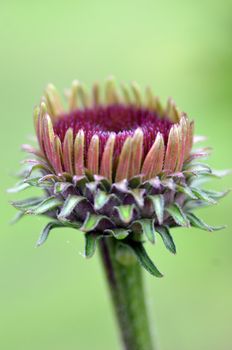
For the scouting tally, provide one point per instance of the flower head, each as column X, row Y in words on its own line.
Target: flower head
column 116, row 164
column 117, row 138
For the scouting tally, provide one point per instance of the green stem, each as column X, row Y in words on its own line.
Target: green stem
column 127, row 292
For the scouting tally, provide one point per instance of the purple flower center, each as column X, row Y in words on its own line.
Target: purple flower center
column 120, row 119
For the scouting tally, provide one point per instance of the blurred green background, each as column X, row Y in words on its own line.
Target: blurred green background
column 51, row 298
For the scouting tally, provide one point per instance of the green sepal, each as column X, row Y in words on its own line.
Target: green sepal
column 197, row 222
column 178, row 215
column 195, row 204
column 91, row 187
column 216, row 195
column 20, row 186
column 168, row 183
column 52, row 178
column 144, row 259
column 138, row 195
column 146, row 227
column 66, row 176
column 27, row 203
column 192, row 167
column 158, row 206
column 100, row 199
column 221, row 173
column 92, row 221
column 91, row 244
column 121, row 186
column 47, row 204
column 45, row 232
column 104, row 183
column 167, row 238
column 199, row 173
column 125, row 212
column 76, row 225
column 36, row 182
column 32, row 181
column 60, row 187
column 135, row 181
column 200, row 194
column 17, row 217
column 118, row 233
column 69, row 205
column 80, row 182
column 186, row 190
column 38, row 166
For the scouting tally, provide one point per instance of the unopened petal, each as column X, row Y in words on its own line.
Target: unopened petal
column 68, row 151
column 48, row 136
column 79, row 145
column 107, row 158
column 153, row 162
column 172, row 150
column 93, row 155
column 123, row 166
column 136, row 153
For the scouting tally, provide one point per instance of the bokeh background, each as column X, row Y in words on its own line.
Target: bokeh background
column 51, row 298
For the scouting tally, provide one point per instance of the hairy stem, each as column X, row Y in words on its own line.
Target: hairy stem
column 126, row 289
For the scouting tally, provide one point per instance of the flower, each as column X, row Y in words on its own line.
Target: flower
column 117, row 165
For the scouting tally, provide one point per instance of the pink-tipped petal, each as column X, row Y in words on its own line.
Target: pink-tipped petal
column 189, row 140
column 172, row 151
column 48, row 137
column 136, row 153
column 107, row 158
column 123, row 166
column 79, row 145
column 183, row 132
column 68, row 151
column 39, row 125
column 58, row 156
column 153, row 162
column 93, row 155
